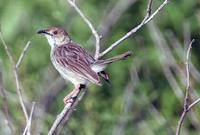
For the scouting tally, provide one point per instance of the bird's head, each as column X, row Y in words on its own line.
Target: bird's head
column 56, row 36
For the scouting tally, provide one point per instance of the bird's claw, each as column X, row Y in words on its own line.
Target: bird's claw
column 68, row 99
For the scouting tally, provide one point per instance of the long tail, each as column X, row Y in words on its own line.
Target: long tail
column 101, row 64
column 115, row 58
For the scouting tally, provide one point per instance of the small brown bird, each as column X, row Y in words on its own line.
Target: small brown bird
column 73, row 62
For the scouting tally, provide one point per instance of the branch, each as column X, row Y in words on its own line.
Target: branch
column 65, row 120
column 17, row 83
column 148, row 17
column 167, row 63
column 23, row 54
column 86, row 20
column 187, row 75
column 186, row 108
column 28, row 125
column 194, row 103
column 67, row 111
column 179, row 51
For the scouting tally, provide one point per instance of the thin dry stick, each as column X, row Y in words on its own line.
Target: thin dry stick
column 28, row 125
column 194, row 103
column 23, row 54
column 170, row 77
column 69, row 113
column 187, row 75
column 17, row 83
column 86, row 20
column 179, row 50
column 185, row 109
column 30, row 118
column 146, row 19
column 66, row 112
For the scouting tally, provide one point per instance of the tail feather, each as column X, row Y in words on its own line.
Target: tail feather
column 100, row 65
column 104, row 75
column 113, row 59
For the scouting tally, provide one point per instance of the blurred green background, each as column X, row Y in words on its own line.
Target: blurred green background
column 145, row 96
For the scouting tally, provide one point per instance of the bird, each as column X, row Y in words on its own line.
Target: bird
column 73, row 62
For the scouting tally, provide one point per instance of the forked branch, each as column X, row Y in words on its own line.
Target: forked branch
column 27, row 129
column 27, row 46
column 86, row 20
column 16, row 77
column 148, row 17
column 186, row 106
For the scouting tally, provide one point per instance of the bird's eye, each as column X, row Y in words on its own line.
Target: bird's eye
column 55, row 32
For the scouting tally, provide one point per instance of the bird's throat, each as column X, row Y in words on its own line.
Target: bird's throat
column 51, row 41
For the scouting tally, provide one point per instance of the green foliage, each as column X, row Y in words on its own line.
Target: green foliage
column 154, row 107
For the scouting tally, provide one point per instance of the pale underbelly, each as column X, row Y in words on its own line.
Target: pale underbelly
column 71, row 76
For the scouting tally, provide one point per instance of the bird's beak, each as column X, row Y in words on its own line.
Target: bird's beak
column 44, row 32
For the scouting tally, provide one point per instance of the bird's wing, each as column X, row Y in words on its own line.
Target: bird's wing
column 76, row 59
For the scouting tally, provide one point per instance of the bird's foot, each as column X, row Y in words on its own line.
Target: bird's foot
column 73, row 95
column 69, row 99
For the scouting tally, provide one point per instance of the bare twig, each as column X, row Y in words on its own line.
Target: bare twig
column 17, row 83
column 168, row 62
column 185, row 109
column 177, row 46
column 30, row 118
column 66, row 118
column 86, row 20
column 194, row 103
column 23, row 54
column 66, row 112
column 187, row 75
column 28, row 125
column 149, row 8
column 146, row 19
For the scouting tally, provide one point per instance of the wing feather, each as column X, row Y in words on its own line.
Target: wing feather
column 74, row 58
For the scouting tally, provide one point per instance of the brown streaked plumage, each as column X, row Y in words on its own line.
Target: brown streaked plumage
column 73, row 57
column 73, row 62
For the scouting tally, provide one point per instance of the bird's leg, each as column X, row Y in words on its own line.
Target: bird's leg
column 73, row 94
column 68, row 98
